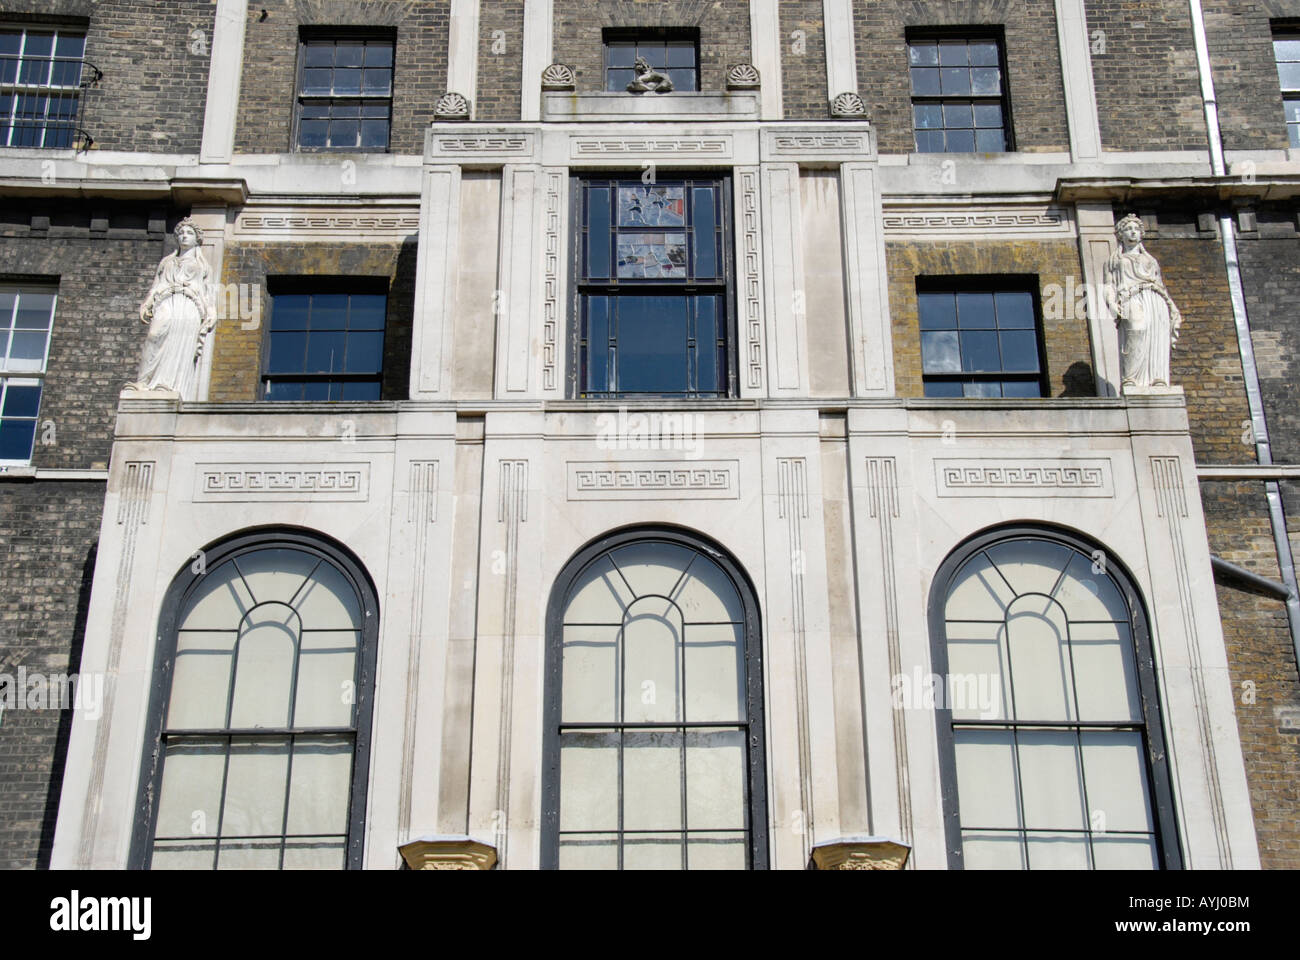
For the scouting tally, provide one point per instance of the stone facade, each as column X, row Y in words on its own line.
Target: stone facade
column 803, row 60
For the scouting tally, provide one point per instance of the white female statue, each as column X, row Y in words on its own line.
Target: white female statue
column 1145, row 313
column 180, row 311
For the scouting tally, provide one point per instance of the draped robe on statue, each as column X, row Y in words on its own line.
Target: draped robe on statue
column 179, row 307
column 1146, row 315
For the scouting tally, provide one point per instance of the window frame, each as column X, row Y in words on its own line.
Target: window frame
column 182, row 588
column 300, row 285
column 308, row 36
column 27, row 378
column 757, row 850
column 1286, row 30
column 48, row 91
column 970, row 34
column 985, row 283
column 650, row 36
column 1155, row 752
column 725, row 289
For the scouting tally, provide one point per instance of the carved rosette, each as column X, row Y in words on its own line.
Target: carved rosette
column 848, row 105
column 448, row 853
column 451, row 106
column 558, row 76
column 860, row 853
column 742, row 76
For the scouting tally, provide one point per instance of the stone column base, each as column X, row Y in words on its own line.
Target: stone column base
column 448, row 853
column 859, row 853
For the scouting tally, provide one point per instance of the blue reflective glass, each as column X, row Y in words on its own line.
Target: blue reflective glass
column 979, row 351
column 1019, row 351
column 367, row 311
column 289, row 311
column 938, row 311
column 975, row 310
column 708, row 375
column 939, row 353
column 598, row 224
column 651, row 344
column 943, row 388
column 16, row 439
column 329, row 311
column 704, row 239
column 1015, row 309
column 597, row 343
column 325, row 352
column 22, row 401
column 360, row 390
column 1022, row 388
column 288, row 353
column 365, row 352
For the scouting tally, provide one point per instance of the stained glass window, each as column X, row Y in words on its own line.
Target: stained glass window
column 652, row 283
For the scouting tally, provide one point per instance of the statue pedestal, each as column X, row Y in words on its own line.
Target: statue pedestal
column 1134, row 391
column 132, row 393
column 448, row 853
column 860, row 853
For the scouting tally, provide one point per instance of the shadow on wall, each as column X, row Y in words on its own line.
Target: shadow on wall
column 1079, row 381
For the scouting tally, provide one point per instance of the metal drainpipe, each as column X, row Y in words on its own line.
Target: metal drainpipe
column 1263, row 450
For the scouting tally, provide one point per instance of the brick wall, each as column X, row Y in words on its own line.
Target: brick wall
column 1245, row 73
column 1144, row 72
column 1033, row 65
column 97, row 335
column 803, row 61
column 155, row 66
column 237, row 354
column 269, row 87
column 1069, row 358
column 500, row 48
column 723, row 26
column 48, row 532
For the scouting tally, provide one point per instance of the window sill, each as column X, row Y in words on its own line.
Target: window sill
column 731, row 105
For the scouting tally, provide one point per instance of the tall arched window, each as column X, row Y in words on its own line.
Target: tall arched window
column 256, row 755
column 1051, row 747
column 654, row 710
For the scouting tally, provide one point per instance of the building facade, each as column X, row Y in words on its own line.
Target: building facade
column 631, row 434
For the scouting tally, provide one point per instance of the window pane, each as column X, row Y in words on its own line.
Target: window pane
column 1057, row 851
column 984, row 53
column 652, row 780
column 377, row 82
column 960, row 141
column 318, row 788
column 22, row 401
column 925, row 81
column 929, row 141
column 591, row 690
column 318, row 54
column 975, row 311
column 1124, row 853
column 598, row 224
column 365, row 352
column 938, row 311
column 683, row 80
column 326, row 679
column 348, row 54
column 957, row 115
column 620, row 53
column 201, row 678
column 651, row 344
column 651, row 206
column 617, row 80
column 589, row 787
column 316, row 81
column 313, row 133
column 939, row 353
column 981, row 388
column 597, row 343
column 325, row 352
column 255, row 787
column 189, row 801
column 652, row 636
column 1105, row 678
column 651, row 851
column 992, row 851
column 268, row 645
column 1022, row 388
column 954, row 81
column 923, row 54
column 979, row 351
column 288, row 352
column 715, row 779
column 366, row 311
column 1115, row 773
column 703, row 239
column 986, row 81
column 986, row 778
column 681, row 53
column 990, row 141
column 710, row 374
column 943, row 388
column 16, row 437
column 1050, row 779
column 1289, row 75
column 1019, row 350
column 715, row 673
column 1039, row 651
column 379, row 55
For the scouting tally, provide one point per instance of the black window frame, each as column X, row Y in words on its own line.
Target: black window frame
column 309, row 36
column 757, row 850
column 984, row 33
column 1287, row 30
column 309, row 286
column 1155, row 752
column 650, row 37
column 986, row 283
column 64, row 126
column 182, row 588
column 723, row 288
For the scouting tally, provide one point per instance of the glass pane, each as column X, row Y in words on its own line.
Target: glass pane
column 377, row 82
column 707, row 595
column 183, row 855
column 27, row 350
column 1050, row 780
column 255, row 787
column 22, row 401
column 716, row 851
column 1289, row 75
column 978, row 685
column 680, row 53
column 277, row 574
column 1019, row 350
column 650, row 851
column 368, row 390
column 703, row 238
column 288, row 352
column 929, row 141
column 16, row 438
column 268, row 641
column 652, row 568
column 1030, row 565
column 366, row 311
column 1038, row 643
column 596, row 852
column 189, row 799
column 651, row 344
column 981, row 388
column 939, row 353
column 200, row 680
column 591, row 676
column 652, row 674
column 1015, row 309
column 34, row 311
column 925, row 82
column 992, row 851
column 598, row 223
column 651, row 206
column 1057, row 851
column 986, row 81
column 938, row 311
column 1114, row 769
column 927, row 116
column 326, row 679
column 942, row 388
column 329, row 311
column 986, row 778
column 923, row 54
column 960, row 141
column 975, row 311
column 289, row 311
column 1104, row 675
column 652, row 780
column 589, row 781
column 990, row 141
column 219, row 602
column 319, row 786
column 1022, row 388
column 617, row 80
column 620, row 53
column 715, row 673
column 710, row 374
column 317, row 853
column 316, row 82
column 1124, row 853
column 344, row 133
column 325, row 352
column 379, row 55
column 979, row 351
column 988, row 115
column 957, row 115
column 715, row 779
column 652, row 256
column 313, row 133
column 1089, row 594
column 348, row 54
column 683, row 80
column 598, row 595
column 980, row 593
column 984, row 53
column 954, row 81
column 365, row 352
column 953, row 53
column 249, row 855
column 318, row 54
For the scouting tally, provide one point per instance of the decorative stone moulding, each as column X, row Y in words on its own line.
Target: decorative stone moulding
column 860, row 853
column 848, row 105
column 448, row 853
column 558, row 76
column 742, row 76
column 451, row 106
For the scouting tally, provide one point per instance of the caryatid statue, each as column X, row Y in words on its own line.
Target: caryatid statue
column 180, row 310
column 1146, row 316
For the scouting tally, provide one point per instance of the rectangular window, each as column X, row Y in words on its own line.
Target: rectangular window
column 26, row 318
column 673, row 53
column 326, row 342
column 345, row 92
column 959, row 100
column 1286, row 51
column 652, row 280
column 40, row 85
column 979, row 338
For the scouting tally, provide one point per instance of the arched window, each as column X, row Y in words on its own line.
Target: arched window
column 256, row 755
column 654, row 710
column 1051, row 747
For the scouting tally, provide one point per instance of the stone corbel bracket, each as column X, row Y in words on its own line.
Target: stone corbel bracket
column 859, row 853
column 558, row 76
column 848, row 105
column 451, row 106
column 448, row 853
column 743, row 76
